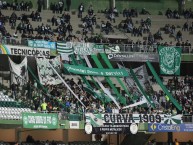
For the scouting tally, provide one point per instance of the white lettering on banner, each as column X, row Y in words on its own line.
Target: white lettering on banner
column 113, row 73
column 49, row 119
column 41, row 44
column 31, row 119
column 27, row 51
column 133, row 118
column 169, row 127
column 133, row 57
column 92, row 72
column 39, row 119
column 114, row 55
column 74, row 69
column 40, row 126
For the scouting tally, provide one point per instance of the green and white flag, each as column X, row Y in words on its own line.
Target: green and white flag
column 169, row 60
column 45, row 72
column 65, row 48
column 40, row 120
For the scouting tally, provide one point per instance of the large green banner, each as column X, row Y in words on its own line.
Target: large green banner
column 81, row 70
column 40, row 120
column 169, row 59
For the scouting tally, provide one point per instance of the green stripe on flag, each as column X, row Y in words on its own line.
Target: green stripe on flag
column 74, row 61
column 174, row 101
column 141, row 88
column 103, row 55
column 65, row 48
column 99, row 65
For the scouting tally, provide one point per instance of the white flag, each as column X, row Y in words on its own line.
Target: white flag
column 19, row 73
column 45, row 72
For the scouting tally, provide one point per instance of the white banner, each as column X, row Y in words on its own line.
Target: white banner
column 45, row 72
column 98, row 120
column 19, row 73
column 24, row 51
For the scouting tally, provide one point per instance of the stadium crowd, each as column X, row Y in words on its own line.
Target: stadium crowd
column 59, row 98
column 55, row 98
column 60, row 28
column 55, row 95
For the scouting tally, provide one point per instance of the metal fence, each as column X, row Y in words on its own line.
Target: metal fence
column 124, row 48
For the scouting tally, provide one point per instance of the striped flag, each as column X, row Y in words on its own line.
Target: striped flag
column 65, row 48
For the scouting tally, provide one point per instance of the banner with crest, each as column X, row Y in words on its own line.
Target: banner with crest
column 45, row 73
column 19, row 73
column 81, row 48
column 169, row 60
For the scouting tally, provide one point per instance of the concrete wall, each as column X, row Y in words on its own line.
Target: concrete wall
column 160, row 137
column 50, row 135
column 112, row 139
column 182, row 137
column 10, row 135
column 78, row 135
column 7, row 135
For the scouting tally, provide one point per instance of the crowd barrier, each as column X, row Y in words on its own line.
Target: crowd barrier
column 124, row 48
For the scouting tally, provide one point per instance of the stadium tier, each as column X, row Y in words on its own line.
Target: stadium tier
column 96, row 72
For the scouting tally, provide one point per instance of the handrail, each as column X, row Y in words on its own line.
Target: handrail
column 124, row 47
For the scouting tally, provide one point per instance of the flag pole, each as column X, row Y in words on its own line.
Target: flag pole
column 67, row 85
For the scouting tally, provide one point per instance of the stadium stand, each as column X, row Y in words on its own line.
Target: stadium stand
column 137, row 31
column 10, row 109
column 158, row 22
column 146, row 31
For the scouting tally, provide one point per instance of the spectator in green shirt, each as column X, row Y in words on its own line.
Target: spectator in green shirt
column 44, row 106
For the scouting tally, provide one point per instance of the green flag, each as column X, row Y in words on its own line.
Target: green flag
column 169, row 60
column 82, row 70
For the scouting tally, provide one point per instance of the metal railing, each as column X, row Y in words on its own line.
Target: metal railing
column 124, row 48
column 187, row 119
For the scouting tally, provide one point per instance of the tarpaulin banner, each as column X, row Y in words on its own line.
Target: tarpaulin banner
column 82, row 48
column 109, row 129
column 24, row 51
column 169, row 60
column 100, row 119
column 45, row 73
column 40, row 120
column 133, row 57
column 41, row 44
column 95, row 71
column 158, row 127
column 19, row 72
